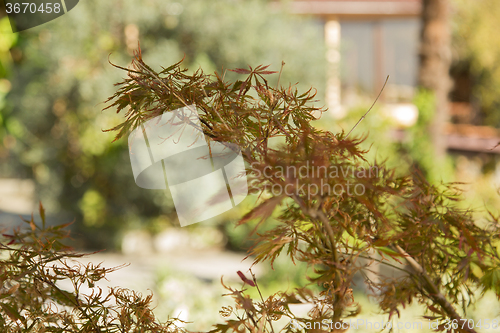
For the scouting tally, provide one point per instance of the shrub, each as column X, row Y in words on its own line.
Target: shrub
column 447, row 257
column 364, row 211
column 34, row 262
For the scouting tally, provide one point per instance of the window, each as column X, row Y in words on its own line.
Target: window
column 371, row 50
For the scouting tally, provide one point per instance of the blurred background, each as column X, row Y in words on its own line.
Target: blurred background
column 439, row 113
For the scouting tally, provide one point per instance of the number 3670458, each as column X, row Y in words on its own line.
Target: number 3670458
column 30, row 7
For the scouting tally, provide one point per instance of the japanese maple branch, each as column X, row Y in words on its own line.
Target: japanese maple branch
column 432, row 289
column 371, row 107
column 318, row 214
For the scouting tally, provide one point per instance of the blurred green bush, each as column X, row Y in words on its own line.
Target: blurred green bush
column 51, row 119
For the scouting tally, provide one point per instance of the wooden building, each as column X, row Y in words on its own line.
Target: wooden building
column 370, row 39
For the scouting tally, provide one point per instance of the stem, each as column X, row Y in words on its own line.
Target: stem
column 382, row 262
column 318, row 214
column 75, row 301
column 371, row 107
column 337, row 310
column 279, row 77
column 432, row 289
column 262, row 299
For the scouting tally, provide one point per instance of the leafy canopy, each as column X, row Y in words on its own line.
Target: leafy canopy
column 401, row 222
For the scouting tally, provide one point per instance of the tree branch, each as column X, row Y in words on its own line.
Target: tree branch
column 433, row 290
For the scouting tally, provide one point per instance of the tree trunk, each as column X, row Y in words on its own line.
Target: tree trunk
column 435, row 61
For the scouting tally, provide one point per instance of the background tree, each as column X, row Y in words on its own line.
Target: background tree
column 52, row 121
column 477, row 55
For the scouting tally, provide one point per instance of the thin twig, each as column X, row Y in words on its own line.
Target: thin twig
column 279, row 77
column 262, row 299
column 371, row 107
column 432, row 289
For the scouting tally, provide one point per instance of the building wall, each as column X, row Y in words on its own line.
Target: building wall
column 373, row 49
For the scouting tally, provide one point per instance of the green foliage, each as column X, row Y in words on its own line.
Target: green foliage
column 52, row 123
column 6, row 42
column 477, row 46
column 419, row 146
column 401, row 218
